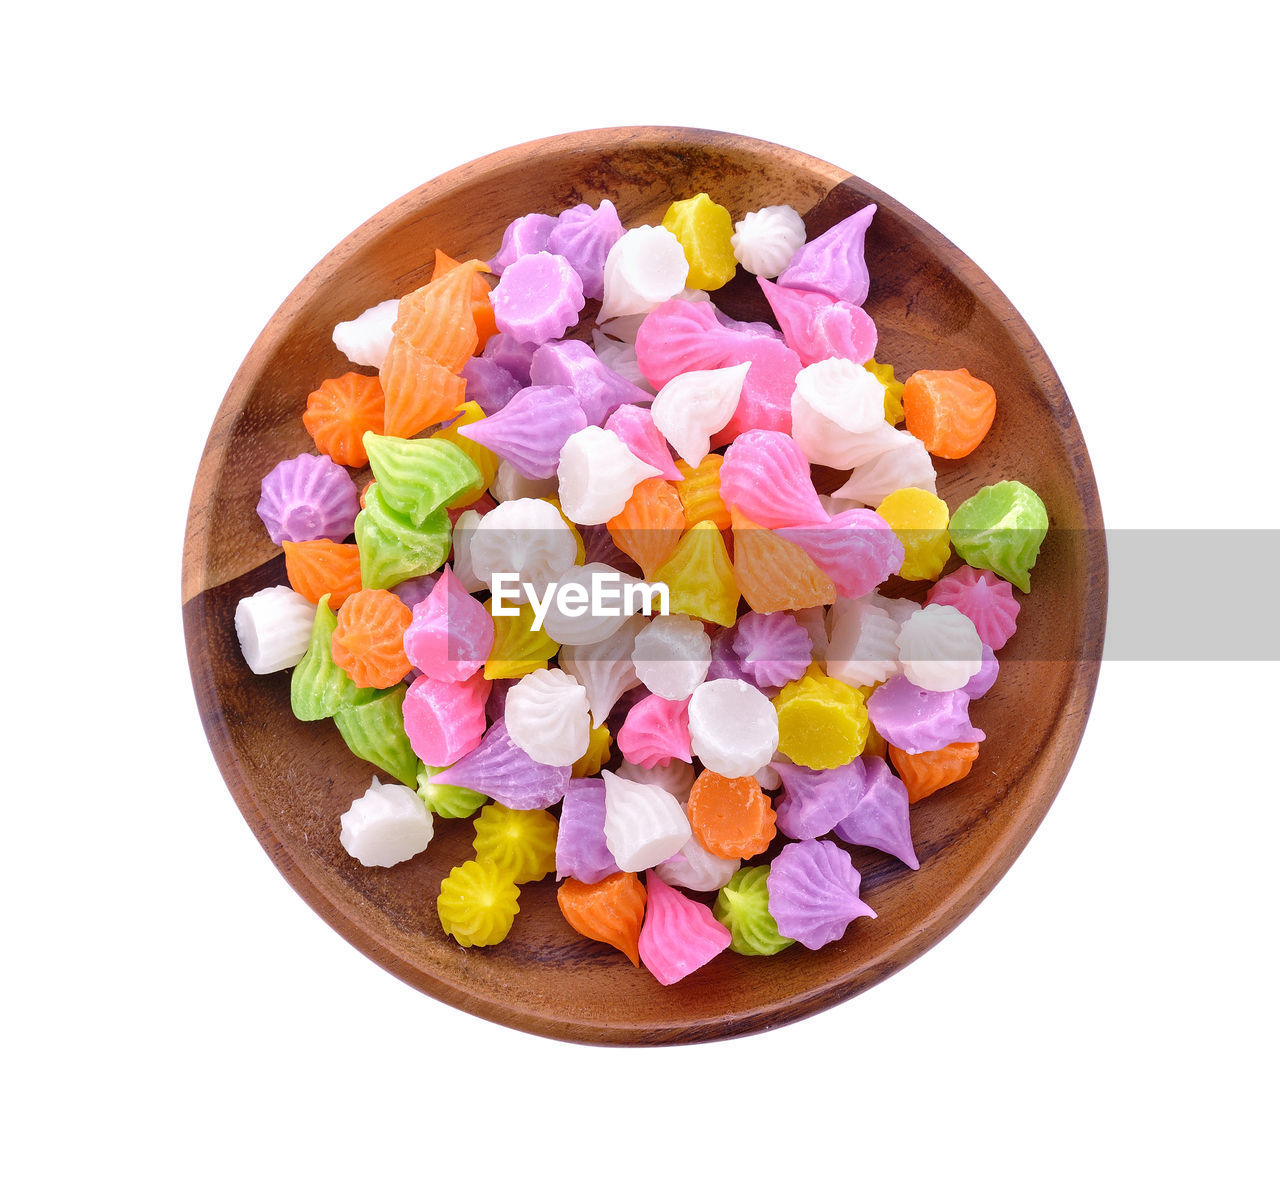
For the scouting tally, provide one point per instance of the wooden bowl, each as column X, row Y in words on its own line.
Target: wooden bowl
column 291, row 780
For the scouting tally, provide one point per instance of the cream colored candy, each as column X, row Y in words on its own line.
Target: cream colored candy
column 836, row 408
column 627, row 326
column 672, row 655
column 547, row 717
column 597, row 475
column 386, row 826
column 569, row 618
column 864, row 643
column 605, row 668
column 939, row 648
column 643, row 824
column 525, row 537
column 765, row 240
column 619, row 357
column 644, row 268
column 509, row 484
column 903, row 463
column 464, row 530
column 366, row 339
column 733, row 727
column 695, row 868
column 274, row 628
column 693, row 406
column 676, row 776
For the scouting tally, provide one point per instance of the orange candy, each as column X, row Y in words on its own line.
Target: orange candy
column 950, row 412
column 611, row 911
column 731, row 818
column 339, row 412
column 650, row 525
column 368, row 643
column 773, row 574
column 699, row 491
column 319, row 568
column 481, row 302
column 928, row 771
column 419, row 392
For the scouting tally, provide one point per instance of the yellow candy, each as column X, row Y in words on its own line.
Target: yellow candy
column 704, row 229
column 518, row 648
column 822, row 723
column 699, row 576
column 573, row 528
column 597, row 754
column 478, row 903
column 485, row 459
column 699, row 491
column 894, row 413
column 519, row 842
column 920, row 521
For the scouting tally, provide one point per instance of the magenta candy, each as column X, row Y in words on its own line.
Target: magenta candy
column 678, row 935
column 979, row 685
column 656, row 730
column 451, row 633
column 917, row 720
column 637, row 432
column 880, row 817
column 856, row 549
column 538, row 298
column 815, row 801
column 489, row 384
column 813, row 893
column 818, row 327
column 583, row 236
column 531, row 431
column 522, row 237
column 680, row 336
column 573, row 364
column 834, row 262
column 581, row 850
column 510, row 355
column 772, row 648
column 766, row 476
column 445, row 719
column 987, row 600
column 501, row 770
column 770, row 383
column 496, row 706
column 308, row 498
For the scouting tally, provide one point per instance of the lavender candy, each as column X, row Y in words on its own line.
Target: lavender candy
column 522, row 236
column 531, row 431
column 581, row 852
column 813, row 893
column 917, row 720
column 982, row 681
column 499, row 769
column 510, row 355
column 880, row 817
column 724, row 660
column 834, row 263
column 573, row 364
column 489, row 384
column 772, row 648
column 583, row 236
column 413, row 590
column 538, row 298
column 308, row 498
column 814, row 802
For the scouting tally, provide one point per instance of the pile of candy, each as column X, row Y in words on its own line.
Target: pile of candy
column 676, row 448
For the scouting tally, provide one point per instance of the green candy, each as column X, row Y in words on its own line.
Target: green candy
column 1001, row 528
column 319, row 688
column 374, row 730
column 419, row 476
column 447, row 800
column 392, row 548
column 742, row 907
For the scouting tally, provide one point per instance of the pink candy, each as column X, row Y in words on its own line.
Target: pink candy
column 856, row 549
column 636, row 430
column 987, row 600
column 818, row 327
column 656, row 730
column 766, row 477
column 678, row 935
column 451, row 633
column 445, row 719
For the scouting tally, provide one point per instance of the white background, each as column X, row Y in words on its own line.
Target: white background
column 174, row 1013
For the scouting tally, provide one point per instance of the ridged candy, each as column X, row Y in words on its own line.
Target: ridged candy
column 274, row 628
column 546, row 717
column 679, row 935
column 532, row 428
column 526, row 537
column 445, row 719
column 743, row 908
column 696, row 868
column 772, row 649
column 597, row 475
column 645, row 267
column 522, row 237
column 856, row 549
column 338, row 414
column 939, row 649
column 864, row 643
column 323, row 567
column 538, row 298
column 699, row 491
column 813, row 893
column 699, row 576
column 919, row 518
column 365, row 338
column 518, row 647
column 451, row 634
column 880, row 815
column 484, row 459
column 369, row 640
column 635, row 429
column 671, row 655
column 318, row 687
column 521, row 842
column 899, row 461
column 598, row 389
column 985, row 599
column 583, row 236
column 656, row 730
column 501, row 770
column 773, row 574
column 693, row 406
column 814, row 802
column 678, row 337
column 822, row 723
column 374, row 731
column 581, row 850
column 915, row 720
column 643, row 823
column 605, row 669
column 1001, row 528
column 704, row 229
column 834, row 262
column 650, row 525
column 478, row 903
column 449, row 801
column 925, row 772
column 818, row 327
column 393, row 548
column 949, row 411
column 764, row 241
column 733, row 727
column 610, row 911
column 308, row 497
column 766, row 478
column 837, row 414
column 386, row 826
column 488, row 384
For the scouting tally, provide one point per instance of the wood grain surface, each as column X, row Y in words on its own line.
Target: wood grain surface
column 934, row 308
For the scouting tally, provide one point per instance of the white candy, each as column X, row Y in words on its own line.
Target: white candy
column 835, row 406
column 619, row 357
column 765, row 240
column 733, row 727
column 526, row 537
column 644, row 268
column 464, row 531
column 814, row 621
column 274, row 628
column 940, row 648
column 899, row 610
column 565, row 625
column 386, row 826
column 547, row 717
column 509, row 484
column 693, row 406
column 676, row 776
column 643, row 824
column 597, row 475
column 365, row 340
column 672, row 656
column 627, row 327
column 604, row 669
column 903, row 463
column 767, row 778
column 697, row 869
column 864, row 643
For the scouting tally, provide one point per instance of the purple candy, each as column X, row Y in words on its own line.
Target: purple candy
column 813, row 893
column 531, row 431
column 724, row 660
column 581, row 851
column 538, row 298
column 982, row 681
column 815, row 801
column 756, row 328
column 599, row 389
column 583, row 236
column 834, row 263
column 308, row 498
column 917, row 720
column 880, row 816
column 599, row 546
column 412, row 591
column 856, row 549
column 523, row 236
column 510, row 355
column 489, row 384
column 496, row 706
column 507, row 773
column 637, row 432
column 772, row 648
